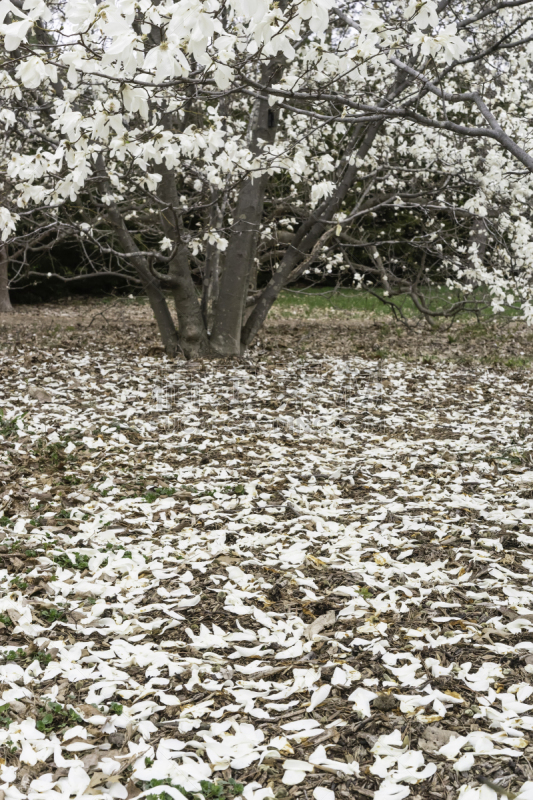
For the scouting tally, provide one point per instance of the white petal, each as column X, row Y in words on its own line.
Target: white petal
column 293, row 776
column 321, row 793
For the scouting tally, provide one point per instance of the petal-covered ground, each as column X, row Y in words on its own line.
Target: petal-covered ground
column 281, row 577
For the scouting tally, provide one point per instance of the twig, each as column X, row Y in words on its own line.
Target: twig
column 100, row 314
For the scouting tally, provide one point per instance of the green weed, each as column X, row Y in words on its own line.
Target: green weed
column 19, row 583
column 50, row 454
column 71, row 480
column 21, row 656
column 81, row 561
column 238, row 490
column 5, row 719
column 221, row 790
column 52, row 615
column 152, row 495
column 517, row 362
column 8, row 426
column 55, row 717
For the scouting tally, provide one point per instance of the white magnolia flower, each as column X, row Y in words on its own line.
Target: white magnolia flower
column 423, row 14
column 15, row 32
column 8, row 222
column 31, row 72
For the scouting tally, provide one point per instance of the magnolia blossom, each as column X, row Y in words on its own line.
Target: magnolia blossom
column 320, row 190
column 422, row 14
column 8, row 222
column 451, row 45
column 31, row 72
column 15, row 32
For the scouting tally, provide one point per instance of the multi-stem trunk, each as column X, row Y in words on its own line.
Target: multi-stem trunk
column 226, row 335
column 242, row 247
column 151, row 285
column 5, row 302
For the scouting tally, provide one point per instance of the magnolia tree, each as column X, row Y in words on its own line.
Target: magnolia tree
column 191, row 143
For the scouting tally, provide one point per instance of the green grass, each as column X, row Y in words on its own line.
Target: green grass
column 239, row 489
column 51, row 615
column 8, row 427
column 324, row 298
column 19, row 583
column 517, row 362
column 71, row 480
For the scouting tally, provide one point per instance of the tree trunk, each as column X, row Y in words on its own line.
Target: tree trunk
column 192, row 332
column 228, row 322
column 211, row 282
column 151, row 285
column 226, row 335
column 193, row 337
column 5, row 302
column 210, row 286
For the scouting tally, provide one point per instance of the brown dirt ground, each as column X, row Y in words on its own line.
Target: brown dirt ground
column 129, row 325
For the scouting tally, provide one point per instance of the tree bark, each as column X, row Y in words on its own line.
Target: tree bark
column 242, row 247
column 5, row 302
column 193, row 337
column 151, row 285
column 156, row 298
column 226, row 335
column 211, row 281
